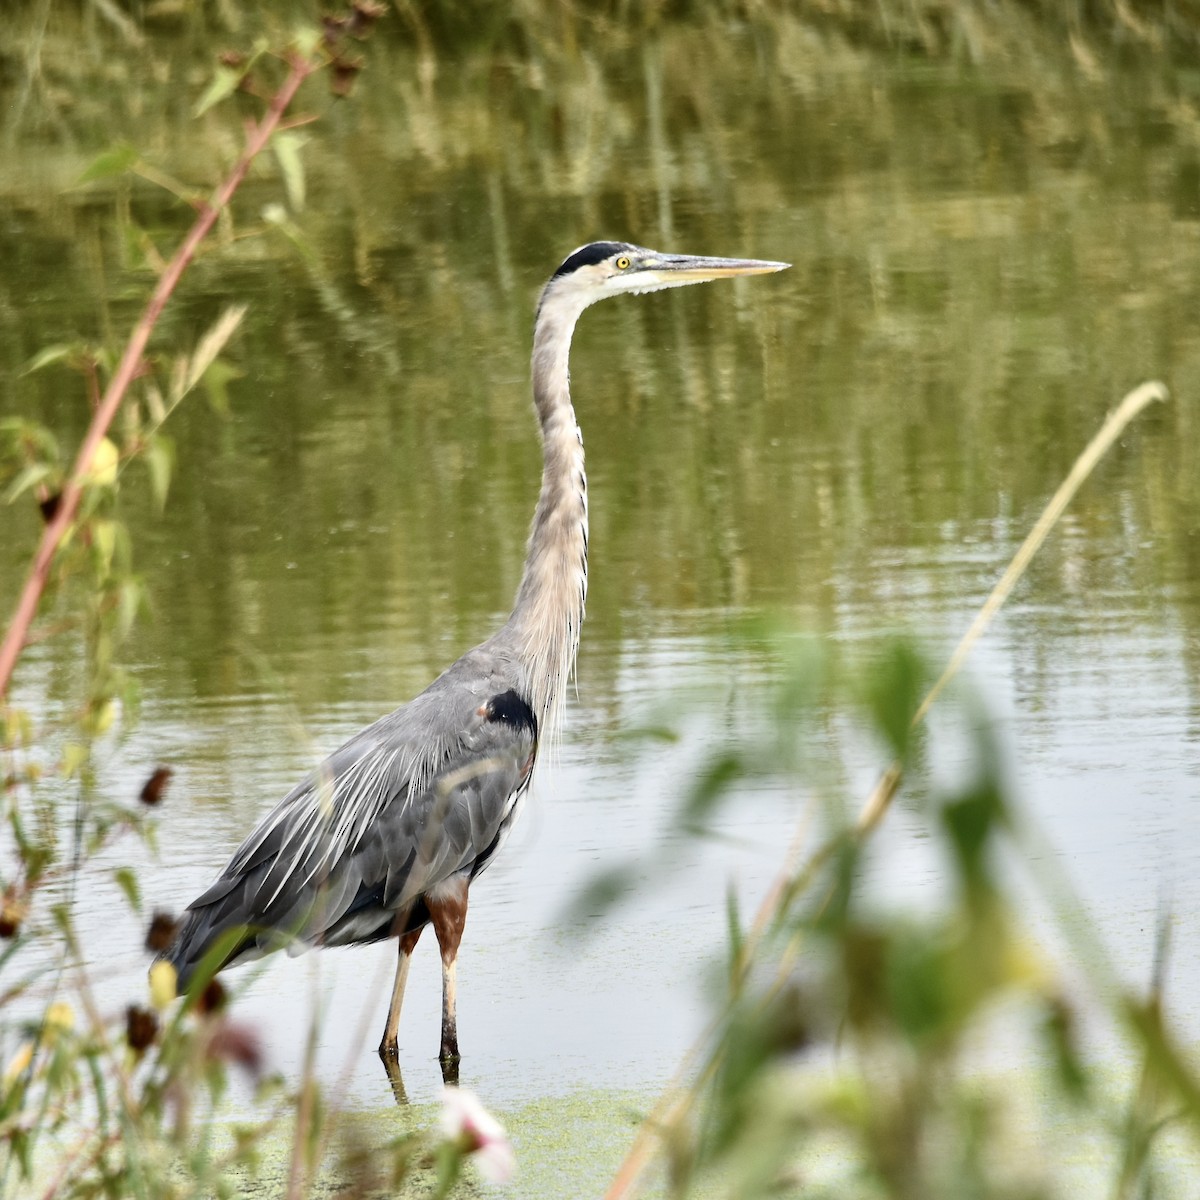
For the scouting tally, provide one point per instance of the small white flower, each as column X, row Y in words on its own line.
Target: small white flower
column 465, row 1121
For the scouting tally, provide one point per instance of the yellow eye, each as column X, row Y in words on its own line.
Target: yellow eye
column 622, row 263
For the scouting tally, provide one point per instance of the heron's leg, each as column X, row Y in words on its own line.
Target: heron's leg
column 389, row 1047
column 448, row 915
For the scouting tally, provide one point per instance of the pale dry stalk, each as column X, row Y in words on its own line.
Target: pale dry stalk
column 678, row 1098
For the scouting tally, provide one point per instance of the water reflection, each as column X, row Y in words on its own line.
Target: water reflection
column 550, row 1004
column 985, row 262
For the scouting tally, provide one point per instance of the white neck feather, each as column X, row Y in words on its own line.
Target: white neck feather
column 550, row 601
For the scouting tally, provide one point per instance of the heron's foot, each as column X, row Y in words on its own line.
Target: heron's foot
column 449, row 1058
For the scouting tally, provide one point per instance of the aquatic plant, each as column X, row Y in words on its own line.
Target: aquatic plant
column 129, row 1099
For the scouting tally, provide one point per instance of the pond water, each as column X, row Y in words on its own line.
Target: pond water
column 986, row 258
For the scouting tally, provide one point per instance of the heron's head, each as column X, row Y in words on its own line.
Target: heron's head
column 602, row 269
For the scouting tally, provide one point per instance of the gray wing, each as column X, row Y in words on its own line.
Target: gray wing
column 423, row 794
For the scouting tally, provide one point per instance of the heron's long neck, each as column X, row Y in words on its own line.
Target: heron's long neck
column 550, row 600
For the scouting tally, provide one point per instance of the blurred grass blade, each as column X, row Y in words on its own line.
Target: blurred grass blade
column 733, row 929
column 287, row 148
column 131, row 599
column 31, row 476
column 211, row 344
column 877, row 803
column 48, row 355
column 120, row 21
column 712, row 784
column 126, row 880
column 160, row 460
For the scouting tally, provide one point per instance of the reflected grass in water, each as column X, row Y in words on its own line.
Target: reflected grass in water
column 970, row 279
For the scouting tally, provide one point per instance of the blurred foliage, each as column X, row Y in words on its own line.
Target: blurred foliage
column 870, row 1049
column 95, row 1103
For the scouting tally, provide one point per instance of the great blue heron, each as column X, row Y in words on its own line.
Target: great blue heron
column 387, row 834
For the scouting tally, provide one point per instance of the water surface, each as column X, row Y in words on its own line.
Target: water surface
column 985, row 261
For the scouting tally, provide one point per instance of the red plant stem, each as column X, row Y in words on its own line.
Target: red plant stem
column 56, row 529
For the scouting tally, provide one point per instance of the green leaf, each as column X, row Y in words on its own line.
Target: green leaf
column 603, row 891
column 228, row 79
column 211, row 345
column 104, row 541
column 287, row 146
column 130, row 596
column 448, row 1161
column 22, row 1144
column 124, row 546
column 155, row 405
column 224, row 83
column 31, row 476
column 99, row 1088
column 277, row 215
column 160, row 460
column 60, row 914
column 216, row 379
column 73, row 758
column 127, row 882
column 48, row 355
column 893, row 692
column 712, row 784
column 971, row 820
column 114, row 161
column 1060, row 1029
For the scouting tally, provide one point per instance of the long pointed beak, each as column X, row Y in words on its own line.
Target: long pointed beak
column 689, row 268
column 673, row 270
column 696, row 267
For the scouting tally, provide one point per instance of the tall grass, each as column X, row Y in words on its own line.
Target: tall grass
column 131, row 1104
column 851, row 1037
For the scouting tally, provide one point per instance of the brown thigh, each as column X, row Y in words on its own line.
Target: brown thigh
column 448, row 916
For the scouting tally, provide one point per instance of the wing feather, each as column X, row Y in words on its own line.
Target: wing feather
column 419, row 796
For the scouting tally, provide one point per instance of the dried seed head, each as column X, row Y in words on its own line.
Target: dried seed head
column 141, row 1028
column 49, row 505
column 14, row 908
column 238, row 1044
column 161, row 932
column 344, row 73
column 155, row 786
column 363, row 15
column 213, row 999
